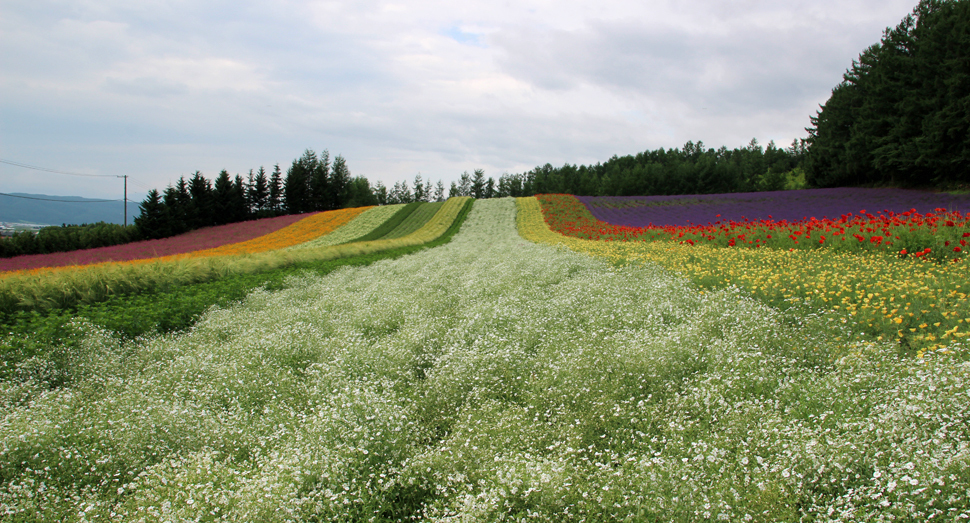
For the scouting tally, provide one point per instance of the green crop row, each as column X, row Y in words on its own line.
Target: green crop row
column 415, row 220
column 385, row 228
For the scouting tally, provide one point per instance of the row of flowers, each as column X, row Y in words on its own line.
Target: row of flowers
column 924, row 306
column 938, row 235
column 235, row 239
column 202, row 239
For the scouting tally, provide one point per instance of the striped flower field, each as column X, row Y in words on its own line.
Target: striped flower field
column 512, row 374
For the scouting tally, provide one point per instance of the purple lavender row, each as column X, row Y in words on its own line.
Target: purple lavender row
column 701, row 209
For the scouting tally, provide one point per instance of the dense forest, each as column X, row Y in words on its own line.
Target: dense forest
column 900, row 117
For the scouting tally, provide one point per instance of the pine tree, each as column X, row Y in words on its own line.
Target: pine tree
column 151, row 220
column 478, row 184
column 276, row 191
column 259, row 192
column 439, row 192
column 223, row 199
column 901, row 114
column 200, row 211
column 339, row 180
column 238, row 208
column 380, row 192
column 419, row 194
column 321, row 192
column 297, row 192
column 464, row 185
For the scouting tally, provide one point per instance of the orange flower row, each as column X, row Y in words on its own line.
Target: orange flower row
column 309, row 228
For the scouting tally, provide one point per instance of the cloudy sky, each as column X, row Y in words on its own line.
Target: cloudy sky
column 158, row 89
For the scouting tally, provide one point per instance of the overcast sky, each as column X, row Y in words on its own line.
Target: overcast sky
column 159, row 89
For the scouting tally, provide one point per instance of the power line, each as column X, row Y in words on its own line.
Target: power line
column 64, row 201
column 34, row 167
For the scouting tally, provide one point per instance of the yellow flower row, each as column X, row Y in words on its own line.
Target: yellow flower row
column 921, row 304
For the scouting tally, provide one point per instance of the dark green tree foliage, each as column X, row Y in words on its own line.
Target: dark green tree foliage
column 359, row 193
column 478, row 184
column 693, row 169
column 151, row 221
column 69, row 238
column 238, row 207
column 321, row 186
column 202, row 200
column 297, row 193
column 339, row 180
column 276, row 205
column 257, row 193
column 223, row 199
column 901, row 115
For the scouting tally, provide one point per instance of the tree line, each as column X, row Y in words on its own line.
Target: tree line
column 67, row 238
column 901, row 115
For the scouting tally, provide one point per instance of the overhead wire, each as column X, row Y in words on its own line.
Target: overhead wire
column 52, row 200
column 36, row 168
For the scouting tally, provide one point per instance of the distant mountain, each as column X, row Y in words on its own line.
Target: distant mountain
column 35, row 208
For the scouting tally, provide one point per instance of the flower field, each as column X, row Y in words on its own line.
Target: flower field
column 68, row 287
column 202, row 239
column 450, row 385
column 937, row 235
column 789, row 206
column 364, row 223
column 920, row 304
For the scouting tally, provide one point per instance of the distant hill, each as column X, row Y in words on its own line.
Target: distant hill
column 34, row 208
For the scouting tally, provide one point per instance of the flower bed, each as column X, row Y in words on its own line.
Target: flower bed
column 208, row 238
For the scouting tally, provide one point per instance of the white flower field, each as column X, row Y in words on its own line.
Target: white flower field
column 490, row 379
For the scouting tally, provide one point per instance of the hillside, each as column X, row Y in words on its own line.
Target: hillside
column 35, row 208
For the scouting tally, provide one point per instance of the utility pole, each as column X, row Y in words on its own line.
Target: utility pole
column 126, row 199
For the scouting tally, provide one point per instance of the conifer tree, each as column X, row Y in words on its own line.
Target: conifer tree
column 276, row 191
column 151, row 220
column 339, row 180
column 478, row 184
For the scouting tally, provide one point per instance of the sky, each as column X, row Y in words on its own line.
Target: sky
column 159, row 89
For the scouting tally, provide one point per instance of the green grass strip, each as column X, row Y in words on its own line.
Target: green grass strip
column 368, row 221
column 389, row 225
column 53, row 335
column 415, row 221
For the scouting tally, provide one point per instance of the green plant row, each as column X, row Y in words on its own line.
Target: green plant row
column 388, row 226
column 415, row 221
column 52, row 336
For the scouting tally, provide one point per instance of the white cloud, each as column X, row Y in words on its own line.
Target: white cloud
column 160, row 89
